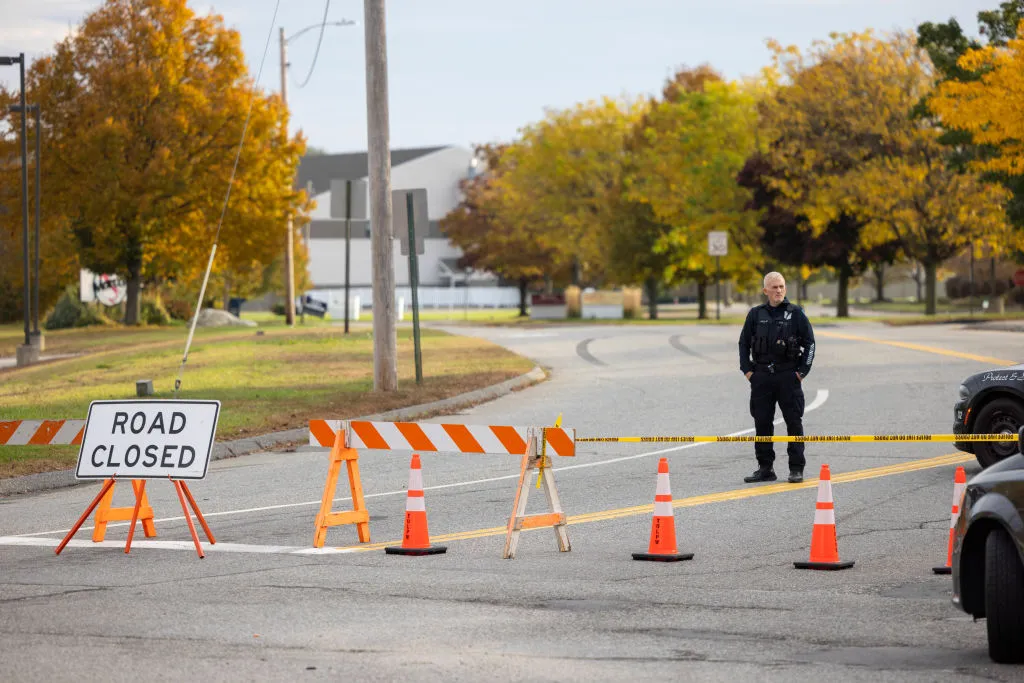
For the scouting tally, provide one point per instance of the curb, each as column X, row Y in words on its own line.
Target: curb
column 45, row 481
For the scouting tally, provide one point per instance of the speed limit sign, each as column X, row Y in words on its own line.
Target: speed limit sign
column 718, row 243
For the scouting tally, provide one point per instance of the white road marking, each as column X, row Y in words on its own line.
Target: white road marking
column 819, row 400
column 144, row 543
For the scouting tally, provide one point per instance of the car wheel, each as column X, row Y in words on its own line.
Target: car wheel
column 1004, row 598
column 1001, row 416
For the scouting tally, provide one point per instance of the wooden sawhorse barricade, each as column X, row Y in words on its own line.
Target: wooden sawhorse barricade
column 532, row 443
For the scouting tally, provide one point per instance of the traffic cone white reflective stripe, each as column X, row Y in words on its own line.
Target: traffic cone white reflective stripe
column 415, row 501
column 824, row 544
column 662, row 547
column 959, row 487
column 415, row 536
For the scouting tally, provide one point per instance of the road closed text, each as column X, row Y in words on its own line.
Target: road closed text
column 148, row 439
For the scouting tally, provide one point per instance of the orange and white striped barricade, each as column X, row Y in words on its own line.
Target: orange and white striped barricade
column 69, row 433
column 142, row 440
column 532, row 443
column 959, row 486
column 41, row 432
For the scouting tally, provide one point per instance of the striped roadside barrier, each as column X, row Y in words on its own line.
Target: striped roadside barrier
column 441, row 438
column 532, row 443
column 41, row 432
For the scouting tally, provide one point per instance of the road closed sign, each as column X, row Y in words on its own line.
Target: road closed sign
column 148, row 439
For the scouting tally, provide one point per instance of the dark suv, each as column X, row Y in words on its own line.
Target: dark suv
column 988, row 555
column 990, row 402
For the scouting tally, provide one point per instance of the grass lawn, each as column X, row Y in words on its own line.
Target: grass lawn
column 269, row 382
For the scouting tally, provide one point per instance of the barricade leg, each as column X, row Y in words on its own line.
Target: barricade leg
column 107, row 485
column 520, row 520
column 135, row 515
column 105, row 513
column 359, row 515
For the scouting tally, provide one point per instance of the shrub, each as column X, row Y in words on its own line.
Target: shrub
column 277, row 309
column 179, row 309
column 573, row 301
column 70, row 312
column 632, row 298
column 956, row 287
column 152, row 312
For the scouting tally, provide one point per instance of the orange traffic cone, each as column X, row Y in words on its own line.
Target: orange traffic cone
column 824, row 548
column 959, row 486
column 415, row 538
column 663, row 527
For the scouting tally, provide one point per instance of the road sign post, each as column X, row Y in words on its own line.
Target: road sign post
column 348, row 201
column 718, row 246
column 414, row 277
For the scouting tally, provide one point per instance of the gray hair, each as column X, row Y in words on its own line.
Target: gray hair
column 773, row 276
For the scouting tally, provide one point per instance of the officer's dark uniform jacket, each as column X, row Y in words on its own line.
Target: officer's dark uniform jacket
column 777, row 344
column 776, row 339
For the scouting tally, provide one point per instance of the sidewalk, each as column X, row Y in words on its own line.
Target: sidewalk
column 11, row 361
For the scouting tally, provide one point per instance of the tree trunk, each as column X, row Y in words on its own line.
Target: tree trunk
column 702, row 300
column 803, row 290
column 880, row 282
column 133, row 301
column 523, row 284
column 917, row 280
column 843, row 296
column 576, row 271
column 651, row 285
column 929, row 287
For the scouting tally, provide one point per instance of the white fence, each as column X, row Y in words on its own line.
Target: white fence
column 429, row 297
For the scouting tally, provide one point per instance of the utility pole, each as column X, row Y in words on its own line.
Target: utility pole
column 385, row 343
column 289, row 249
column 26, row 353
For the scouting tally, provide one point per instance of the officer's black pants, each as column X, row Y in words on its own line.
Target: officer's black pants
column 767, row 389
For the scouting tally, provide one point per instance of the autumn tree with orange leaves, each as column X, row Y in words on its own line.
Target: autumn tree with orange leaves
column 143, row 109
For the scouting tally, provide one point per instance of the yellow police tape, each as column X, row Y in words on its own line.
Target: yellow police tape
column 799, row 439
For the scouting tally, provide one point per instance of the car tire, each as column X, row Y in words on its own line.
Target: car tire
column 1004, row 598
column 998, row 416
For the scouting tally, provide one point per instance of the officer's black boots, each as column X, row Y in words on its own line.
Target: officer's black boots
column 761, row 474
column 796, row 475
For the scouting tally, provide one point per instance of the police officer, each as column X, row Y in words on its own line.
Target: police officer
column 776, row 352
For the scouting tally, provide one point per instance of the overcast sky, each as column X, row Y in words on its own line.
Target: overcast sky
column 471, row 71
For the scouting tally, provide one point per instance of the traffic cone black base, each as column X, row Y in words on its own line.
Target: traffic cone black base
column 824, row 565
column 654, row 557
column 942, row 570
column 432, row 550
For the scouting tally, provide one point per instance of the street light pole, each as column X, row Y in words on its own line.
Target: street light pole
column 35, row 339
column 20, row 61
column 289, row 249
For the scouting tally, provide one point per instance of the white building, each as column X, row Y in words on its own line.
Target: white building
column 437, row 169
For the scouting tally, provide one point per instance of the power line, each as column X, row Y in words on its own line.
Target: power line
column 234, row 169
column 323, row 25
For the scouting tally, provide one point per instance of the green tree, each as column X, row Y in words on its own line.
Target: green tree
column 559, row 180
column 946, row 43
column 515, row 250
column 683, row 165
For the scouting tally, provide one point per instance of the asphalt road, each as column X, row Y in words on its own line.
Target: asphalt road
column 262, row 606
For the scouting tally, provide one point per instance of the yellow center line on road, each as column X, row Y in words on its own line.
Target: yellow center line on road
column 920, row 347
column 692, row 501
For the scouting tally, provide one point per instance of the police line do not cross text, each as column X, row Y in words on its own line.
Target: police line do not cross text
column 148, row 439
